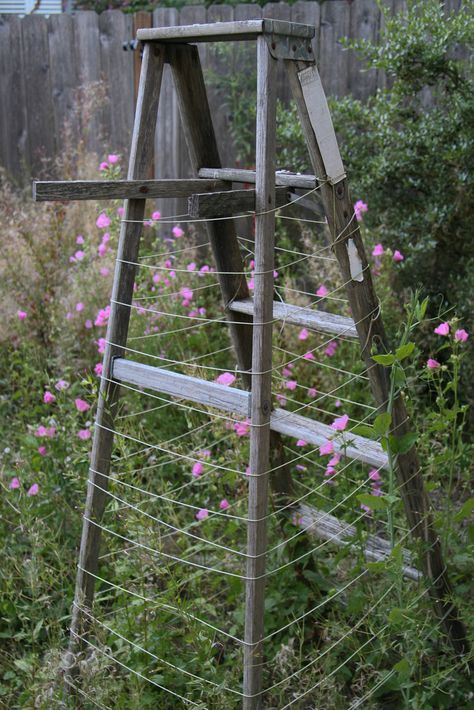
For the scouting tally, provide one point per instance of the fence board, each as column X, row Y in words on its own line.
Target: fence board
column 87, row 50
column 364, row 24
column 333, row 60
column 13, row 129
column 38, row 94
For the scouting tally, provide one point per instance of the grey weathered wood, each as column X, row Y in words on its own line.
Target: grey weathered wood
column 365, row 310
column 281, row 177
column 333, row 61
column 117, row 71
column 224, row 31
column 261, row 376
column 38, row 97
column 223, row 204
column 122, row 292
column 350, row 445
column 310, row 318
column 13, row 126
column 192, row 389
column 64, row 77
column 364, row 24
column 325, row 526
column 201, row 142
column 119, row 189
column 87, row 57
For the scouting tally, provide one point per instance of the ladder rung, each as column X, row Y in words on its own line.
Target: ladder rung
column 312, row 319
column 222, row 204
column 328, row 527
column 223, row 31
column 231, row 399
column 282, row 177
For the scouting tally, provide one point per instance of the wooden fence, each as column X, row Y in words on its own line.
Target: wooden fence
column 48, row 64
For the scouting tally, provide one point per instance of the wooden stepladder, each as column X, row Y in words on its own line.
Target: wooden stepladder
column 250, row 320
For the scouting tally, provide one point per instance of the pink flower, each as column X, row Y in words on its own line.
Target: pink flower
column 397, row 256
column 340, row 423
column 461, row 335
column 366, row 509
column 103, row 166
column 101, row 250
column 79, row 255
column 224, row 504
column 33, row 490
column 242, row 428
column 309, row 356
column 104, row 271
column 322, row 291
column 79, row 307
column 177, row 231
column 326, row 448
column 61, row 385
column 42, row 450
column 378, row 250
column 186, row 293
column 98, row 369
column 291, row 385
column 103, row 221
column 312, row 392
column 88, row 324
column 204, row 454
column 105, row 238
column 374, row 475
column 281, row 399
column 204, row 269
column 21, row 315
column 432, row 364
column 101, row 346
column 84, row 434
column 300, row 467
column 14, row 483
column 330, row 471
column 79, row 239
column 442, row 329
column 227, row 378
column 48, row 397
column 202, row 514
column 335, row 460
column 191, row 266
column 120, row 211
column 359, row 208
column 331, row 348
column 301, row 442
column 113, row 158
column 197, row 469
column 338, row 403
column 81, row 405
column 102, row 316
column 251, row 283
column 43, row 431
column 303, row 334
column 156, row 215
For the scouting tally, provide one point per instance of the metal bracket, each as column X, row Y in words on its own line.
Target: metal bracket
column 288, row 47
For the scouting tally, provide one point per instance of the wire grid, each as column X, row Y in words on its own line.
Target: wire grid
column 177, row 507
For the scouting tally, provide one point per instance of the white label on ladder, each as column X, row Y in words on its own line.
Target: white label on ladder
column 355, row 263
column 320, row 118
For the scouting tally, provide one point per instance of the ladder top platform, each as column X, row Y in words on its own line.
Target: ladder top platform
column 224, row 31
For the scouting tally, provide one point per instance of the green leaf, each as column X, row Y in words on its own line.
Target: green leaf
column 465, row 510
column 404, row 351
column 422, row 308
column 382, row 423
column 396, row 617
column 377, row 567
column 403, row 667
column 386, row 360
column 374, row 502
column 363, row 430
column 406, row 442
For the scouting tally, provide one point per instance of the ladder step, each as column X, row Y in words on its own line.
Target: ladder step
column 223, row 31
column 310, row 318
column 231, row 399
column 222, row 204
column 328, row 527
column 282, row 177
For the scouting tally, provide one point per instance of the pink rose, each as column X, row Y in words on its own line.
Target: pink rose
column 461, row 335
column 442, row 329
column 397, row 256
column 432, row 364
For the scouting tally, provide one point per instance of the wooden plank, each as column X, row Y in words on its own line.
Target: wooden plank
column 120, row 189
column 117, row 71
column 308, row 13
column 311, row 318
column 64, row 81
column 38, row 96
column 13, row 126
column 365, row 18
column 322, row 525
column 224, row 31
column 201, row 141
column 117, row 329
column 248, row 176
column 333, row 59
column 141, row 20
column 261, row 376
column 279, row 11
column 365, row 309
column 350, row 445
column 86, row 45
column 223, row 204
column 192, row 389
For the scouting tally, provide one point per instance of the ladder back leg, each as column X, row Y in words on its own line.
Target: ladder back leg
column 366, row 314
column 261, row 375
column 140, row 157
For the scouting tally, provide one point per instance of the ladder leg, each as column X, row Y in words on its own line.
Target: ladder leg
column 366, row 313
column 262, row 376
column 122, row 291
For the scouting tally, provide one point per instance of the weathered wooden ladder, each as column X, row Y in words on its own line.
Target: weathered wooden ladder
column 251, row 318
